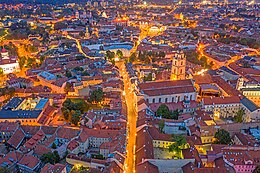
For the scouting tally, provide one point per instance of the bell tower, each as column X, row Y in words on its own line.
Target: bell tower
column 240, row 83
column 178, row 66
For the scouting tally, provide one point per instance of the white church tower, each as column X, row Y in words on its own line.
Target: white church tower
column 178, row 66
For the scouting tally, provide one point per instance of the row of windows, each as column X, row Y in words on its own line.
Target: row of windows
column 223, row 106
column 252, row 94
column 8, row 68
column 173, row 99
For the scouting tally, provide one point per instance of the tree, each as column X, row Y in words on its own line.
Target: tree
column 149, row 77
column 257, row 169
column 67, row 87
column 96, row 96
column 22, row 61
column 180, row 140
column 85, row 73
column 81, row 34
column 175, row 114
column 4, row 170
column 163, row 111
column 132, row 58
column 68, row 74
column 51, row 157
column 42, row 58
column 65, row 113
column 161, row 125
column 30, row 62
column 119, row 53
column 110, row 55
column 1, row 72
column 53, row 146
column 179, row 143
column 222, row 137
column 79, row 68
column 75, row 117
column 239, row 116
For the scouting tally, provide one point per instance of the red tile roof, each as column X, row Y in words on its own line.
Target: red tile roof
column 29, row 161
column 67, row 133
column 16, row 138
column 11, row 158
column 167, row 87
column 221, row 100
column 146, row 167
column 57, row 168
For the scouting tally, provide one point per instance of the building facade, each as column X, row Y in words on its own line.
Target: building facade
column 178, row 66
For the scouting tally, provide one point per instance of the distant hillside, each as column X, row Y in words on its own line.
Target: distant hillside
column 42, row 1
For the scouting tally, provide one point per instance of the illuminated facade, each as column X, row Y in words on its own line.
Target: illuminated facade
column 250, row 90
column 8, row 64
column 178, row 66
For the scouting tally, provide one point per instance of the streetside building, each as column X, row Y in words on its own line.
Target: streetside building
column 167, row 91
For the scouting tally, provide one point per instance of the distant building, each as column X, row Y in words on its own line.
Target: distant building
column 7, row 63
column 242, row 159
column 250, row 90
column 27, row 111
column 178, row 66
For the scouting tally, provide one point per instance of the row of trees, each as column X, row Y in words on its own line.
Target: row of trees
column 250, row 42
column 110, row 56
column 194, row 57
column 27, row 62
column 147, row 57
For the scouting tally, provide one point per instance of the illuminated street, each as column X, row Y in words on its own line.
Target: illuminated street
column 129, row 165
column 129, row 86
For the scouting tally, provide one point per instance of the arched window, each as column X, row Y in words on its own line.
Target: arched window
column 180, row 71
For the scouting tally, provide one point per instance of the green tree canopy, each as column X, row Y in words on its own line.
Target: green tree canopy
column 96, row 96
column 163, row 111
column 119, row 53
column 161, row 125
column 51, row 157
column 257, row 169
column 132, row 58
column 1, row 72
column 75, row 117
column 239, row 116
column 222, row 137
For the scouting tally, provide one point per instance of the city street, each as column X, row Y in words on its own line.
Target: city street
column 129, row 166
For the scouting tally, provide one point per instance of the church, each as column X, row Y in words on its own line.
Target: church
column 7, row 63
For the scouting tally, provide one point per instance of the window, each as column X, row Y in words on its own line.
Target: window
column 181, row 71
column 153, row 100
column 160, row 100
column 166, row 100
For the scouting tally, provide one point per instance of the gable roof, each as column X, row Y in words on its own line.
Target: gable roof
column 17, row 138
column 249, row 104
